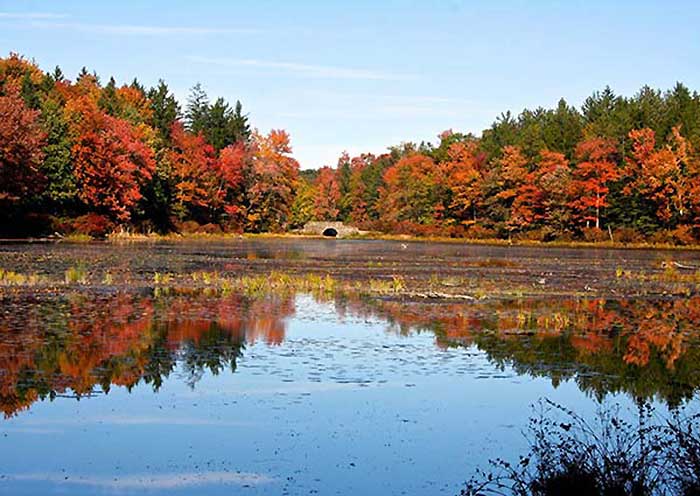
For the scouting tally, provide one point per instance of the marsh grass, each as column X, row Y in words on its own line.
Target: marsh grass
column 123, row 235
column 671, row 272
column 277, row 282
column 129, row 236
column 11, row 278
column 524, row 242
column 77, row 238
column 162, row 279
column 76, row 275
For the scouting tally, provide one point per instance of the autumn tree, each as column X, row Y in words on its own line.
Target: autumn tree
column 595, row 169
column 19, row 75
column 193, row 173
column 411, row 190
column 134, row 105
column 520, row 190
column 231, row 169
column 272, row 181
column 359, row 191
column 327, row 195
column 553, row 178
column 21, row 148
column 302, row 210
column 667, row 176
column 463, row 178
column 111, row 163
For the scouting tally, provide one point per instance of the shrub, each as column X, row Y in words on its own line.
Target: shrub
column 609, row 457
column 187, row 227
column 540, row 234
column 628, row 235
column 94, row 225
column 685, row 454
column 595, row 235
column 681, row 235
column 62, row 225
column 209, row 229
column 457, row 231
column 481, row 232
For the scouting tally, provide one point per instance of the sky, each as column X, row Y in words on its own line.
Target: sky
column 361, row 75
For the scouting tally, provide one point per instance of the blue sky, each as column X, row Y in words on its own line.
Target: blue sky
column 362, row 75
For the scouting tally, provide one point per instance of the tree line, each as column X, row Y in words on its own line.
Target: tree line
column 87, row 157
column 620, row 168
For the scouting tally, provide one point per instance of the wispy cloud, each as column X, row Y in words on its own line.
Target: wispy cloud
column 31, row 15
column 149, row 481
column 304, row 70
column 133, row 29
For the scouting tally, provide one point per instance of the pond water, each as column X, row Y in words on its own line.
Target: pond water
column 112, row 389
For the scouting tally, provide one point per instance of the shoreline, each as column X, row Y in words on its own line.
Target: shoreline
column 127, row 238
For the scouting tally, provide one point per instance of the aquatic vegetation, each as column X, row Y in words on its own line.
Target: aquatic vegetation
column 77, row 274
column 11, row 278
column 125, row 235
column 162, row 279
column 77, row 238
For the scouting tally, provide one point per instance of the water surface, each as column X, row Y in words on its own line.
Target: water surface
column 130, row 390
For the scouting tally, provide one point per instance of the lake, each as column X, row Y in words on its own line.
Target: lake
column 395, row 368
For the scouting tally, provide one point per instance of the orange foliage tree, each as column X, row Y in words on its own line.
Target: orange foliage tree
column 553, row 177
column 411, row 190
column 273, row 178
column 327, row 195
column 519, row 190
column 668, row 177
column 595, row 170
column 463, row 179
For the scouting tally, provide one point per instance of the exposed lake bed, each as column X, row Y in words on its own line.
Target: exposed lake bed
column 321, row 366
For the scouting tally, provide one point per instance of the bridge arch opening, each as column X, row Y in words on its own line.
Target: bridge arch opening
column 330, row 232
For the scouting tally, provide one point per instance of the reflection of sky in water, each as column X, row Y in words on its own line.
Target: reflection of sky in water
column 338, row 407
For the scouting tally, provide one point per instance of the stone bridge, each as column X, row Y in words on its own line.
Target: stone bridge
column 330, row 229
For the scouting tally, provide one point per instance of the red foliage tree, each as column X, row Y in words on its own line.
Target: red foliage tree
column 21, row 142
column 595, row 169
column 111, row 163
column 194, row 172
column 231, row 169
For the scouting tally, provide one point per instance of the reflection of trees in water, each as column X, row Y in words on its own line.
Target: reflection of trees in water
column 79, row 343
column 608, row 456
column 642, row 347
column 646, row 348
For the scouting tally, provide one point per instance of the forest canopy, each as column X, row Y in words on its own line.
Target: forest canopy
column 88, row 156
